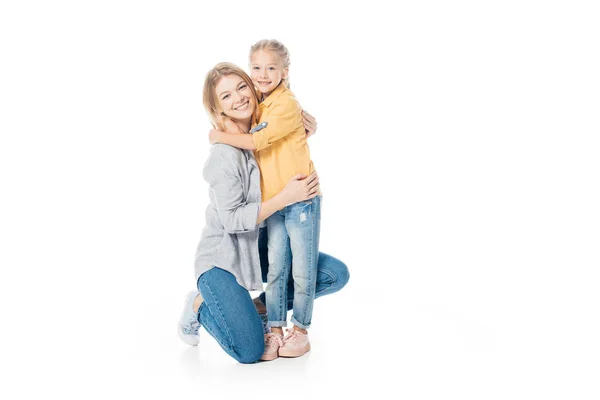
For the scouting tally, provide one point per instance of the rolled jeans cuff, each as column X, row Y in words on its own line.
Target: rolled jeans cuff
column 277, row 324
column 298, row 324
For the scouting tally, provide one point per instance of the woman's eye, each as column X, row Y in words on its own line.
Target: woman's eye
column 272, row 68
column 243, row 87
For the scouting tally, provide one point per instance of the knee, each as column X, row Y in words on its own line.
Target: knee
column 277, row 267
column 340, row 275
column 334, row 273
column 250, row 357
column 343, row 275
column 253, row 348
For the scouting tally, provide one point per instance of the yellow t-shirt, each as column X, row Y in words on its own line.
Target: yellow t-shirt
column 281, row 147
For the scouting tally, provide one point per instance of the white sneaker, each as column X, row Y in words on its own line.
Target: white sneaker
column 189, row 325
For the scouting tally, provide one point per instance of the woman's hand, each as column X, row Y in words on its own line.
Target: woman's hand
column 301, row 188
column 310, row 124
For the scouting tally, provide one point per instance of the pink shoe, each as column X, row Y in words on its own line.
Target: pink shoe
column 295, row 344
column 273, row 341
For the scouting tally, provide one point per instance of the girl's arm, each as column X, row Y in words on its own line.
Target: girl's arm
column 239, row 140
column 231, row 127
column 285, row 118
column 232, row 136
column 310, row 123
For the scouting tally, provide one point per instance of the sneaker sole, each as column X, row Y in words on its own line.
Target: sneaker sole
column 291, row 354
column 192, row 340
column 269, row 358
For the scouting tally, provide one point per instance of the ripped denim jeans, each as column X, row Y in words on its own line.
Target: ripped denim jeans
column 293, row 243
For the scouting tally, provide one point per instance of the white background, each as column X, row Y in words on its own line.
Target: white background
column 458, row 150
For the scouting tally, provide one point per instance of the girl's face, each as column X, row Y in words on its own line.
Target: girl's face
column 266, row 71
column 235, row 97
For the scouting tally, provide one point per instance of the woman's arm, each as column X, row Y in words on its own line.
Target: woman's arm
column 236, row 215
column 222, row 175
column 299, row 188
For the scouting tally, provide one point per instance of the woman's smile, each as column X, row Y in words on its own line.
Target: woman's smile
column 243, row 106
column 235, row 97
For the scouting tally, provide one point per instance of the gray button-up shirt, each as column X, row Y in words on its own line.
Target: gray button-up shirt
column 230, row 238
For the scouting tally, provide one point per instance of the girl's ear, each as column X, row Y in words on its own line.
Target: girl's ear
column 286, row 72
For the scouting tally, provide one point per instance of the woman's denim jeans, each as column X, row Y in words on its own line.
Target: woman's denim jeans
column 293, row 245
column 229, row 315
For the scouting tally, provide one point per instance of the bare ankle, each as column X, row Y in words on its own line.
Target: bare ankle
column 197, row 302
column 277, row 330
column 300, row 329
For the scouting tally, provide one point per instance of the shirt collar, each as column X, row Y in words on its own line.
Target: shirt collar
column 275, row 94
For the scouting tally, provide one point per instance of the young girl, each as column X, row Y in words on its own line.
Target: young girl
column 293, row 232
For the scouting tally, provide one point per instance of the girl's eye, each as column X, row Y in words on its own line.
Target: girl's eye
column 254, row 67
column 272, row 68
column 243, row 87
column 225, row 97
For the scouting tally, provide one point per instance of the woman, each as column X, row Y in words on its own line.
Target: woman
column 228, row 263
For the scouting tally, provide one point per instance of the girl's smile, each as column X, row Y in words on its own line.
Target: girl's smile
column 266, row 71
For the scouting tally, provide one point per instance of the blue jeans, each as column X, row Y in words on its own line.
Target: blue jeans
column 293, row 245
column 229, row 315
column 332, row 274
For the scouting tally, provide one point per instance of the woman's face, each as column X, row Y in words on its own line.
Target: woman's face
column 266, row 71
column 235, row 97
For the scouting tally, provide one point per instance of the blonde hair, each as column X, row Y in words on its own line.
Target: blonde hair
column 278, row 48
column 209, row 97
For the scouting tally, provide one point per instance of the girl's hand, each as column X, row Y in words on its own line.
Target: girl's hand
column 214, row 135
column 231, row 127
column 301, row 188
column 310, row 124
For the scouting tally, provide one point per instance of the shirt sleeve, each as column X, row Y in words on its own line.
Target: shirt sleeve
column 222, row 174
column 283, row 119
